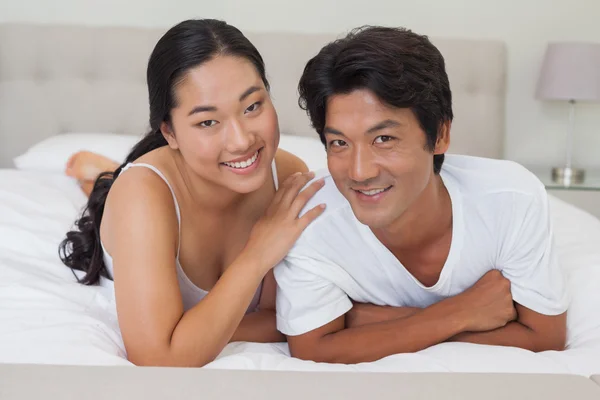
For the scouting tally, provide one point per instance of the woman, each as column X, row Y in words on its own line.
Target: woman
column 191, row 224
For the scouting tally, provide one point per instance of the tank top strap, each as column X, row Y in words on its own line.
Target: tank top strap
column 164, row 178
column 274, row 170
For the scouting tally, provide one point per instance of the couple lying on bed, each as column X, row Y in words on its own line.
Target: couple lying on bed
column 207, row 228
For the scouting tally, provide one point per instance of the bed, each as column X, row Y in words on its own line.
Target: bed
column 65, row 88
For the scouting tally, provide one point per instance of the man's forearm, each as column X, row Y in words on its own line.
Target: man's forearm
column 259, row 326
column 366, row 314
column 367, row 343
column 514, row 334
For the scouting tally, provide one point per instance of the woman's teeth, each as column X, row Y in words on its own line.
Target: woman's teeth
column 243, row 164
column 372, row 192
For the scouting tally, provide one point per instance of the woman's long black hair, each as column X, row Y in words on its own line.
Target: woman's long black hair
column 184, row 46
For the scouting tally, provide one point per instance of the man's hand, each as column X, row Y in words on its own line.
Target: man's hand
column 541, row 333
column 489, row 303
column 495, row 320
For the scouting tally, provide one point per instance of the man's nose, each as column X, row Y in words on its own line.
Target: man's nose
column 362, row 165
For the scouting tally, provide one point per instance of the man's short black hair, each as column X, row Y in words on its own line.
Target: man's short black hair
column 402, row 68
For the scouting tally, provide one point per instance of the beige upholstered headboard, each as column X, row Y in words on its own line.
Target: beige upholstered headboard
column 58, row 79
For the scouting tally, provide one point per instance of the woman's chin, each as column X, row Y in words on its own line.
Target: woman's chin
column 247, row 187
column 248, row 184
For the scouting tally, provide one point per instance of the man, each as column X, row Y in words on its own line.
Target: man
column 414, row 248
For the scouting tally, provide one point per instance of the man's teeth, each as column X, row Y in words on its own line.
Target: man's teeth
column 372, row 192
column 243, row 164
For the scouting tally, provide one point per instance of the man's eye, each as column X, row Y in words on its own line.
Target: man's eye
column 253, row 107
column 337, row 143
column 208, row 123
column 383, row 139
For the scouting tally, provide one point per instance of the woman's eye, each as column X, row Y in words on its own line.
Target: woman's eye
column 337, row 143
column 207, row 123
column 253, row 107
column 383, row 139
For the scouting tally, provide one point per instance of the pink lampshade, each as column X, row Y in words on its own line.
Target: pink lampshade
column 570, row 71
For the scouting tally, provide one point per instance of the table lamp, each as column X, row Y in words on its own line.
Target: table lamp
column 570, row 72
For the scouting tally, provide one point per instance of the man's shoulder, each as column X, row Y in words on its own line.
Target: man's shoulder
column 478, row 176
column 329, row 195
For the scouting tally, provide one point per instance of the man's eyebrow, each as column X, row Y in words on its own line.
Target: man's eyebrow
column 332, row 131
column 388, row 123
column 249, row 91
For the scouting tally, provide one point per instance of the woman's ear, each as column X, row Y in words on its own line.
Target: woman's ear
column 443, row 140
column 169, row 135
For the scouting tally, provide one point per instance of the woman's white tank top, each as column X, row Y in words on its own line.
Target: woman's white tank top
column 190, row 293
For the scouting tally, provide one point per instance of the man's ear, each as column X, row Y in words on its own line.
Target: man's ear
column 169, row 135
column 443, row 141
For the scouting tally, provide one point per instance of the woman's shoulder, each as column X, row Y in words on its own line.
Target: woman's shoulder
column 147, row 177
column 288, row 164
column 141, row 186
column 140, row 201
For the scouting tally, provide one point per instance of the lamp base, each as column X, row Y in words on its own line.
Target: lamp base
column 568, row 175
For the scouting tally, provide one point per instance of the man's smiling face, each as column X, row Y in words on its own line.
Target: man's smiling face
column 377, row 155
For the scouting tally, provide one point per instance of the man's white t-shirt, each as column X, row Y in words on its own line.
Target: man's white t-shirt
column 500, row 221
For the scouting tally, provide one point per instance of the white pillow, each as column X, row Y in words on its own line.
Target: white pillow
column 308, row 149
column 52, row 154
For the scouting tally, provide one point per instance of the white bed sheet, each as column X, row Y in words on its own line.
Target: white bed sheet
column 48, row 318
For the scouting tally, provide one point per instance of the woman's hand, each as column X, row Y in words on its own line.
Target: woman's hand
column 279, row 228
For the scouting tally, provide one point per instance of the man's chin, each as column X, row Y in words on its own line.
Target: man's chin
column 371, row 219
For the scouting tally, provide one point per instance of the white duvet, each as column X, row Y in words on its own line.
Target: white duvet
column 48, row 318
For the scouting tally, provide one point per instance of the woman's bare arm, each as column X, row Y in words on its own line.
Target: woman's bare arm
column 143, row 242
column 140, row 216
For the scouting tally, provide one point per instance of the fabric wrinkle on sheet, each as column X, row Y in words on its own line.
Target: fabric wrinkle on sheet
column 190, row 293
